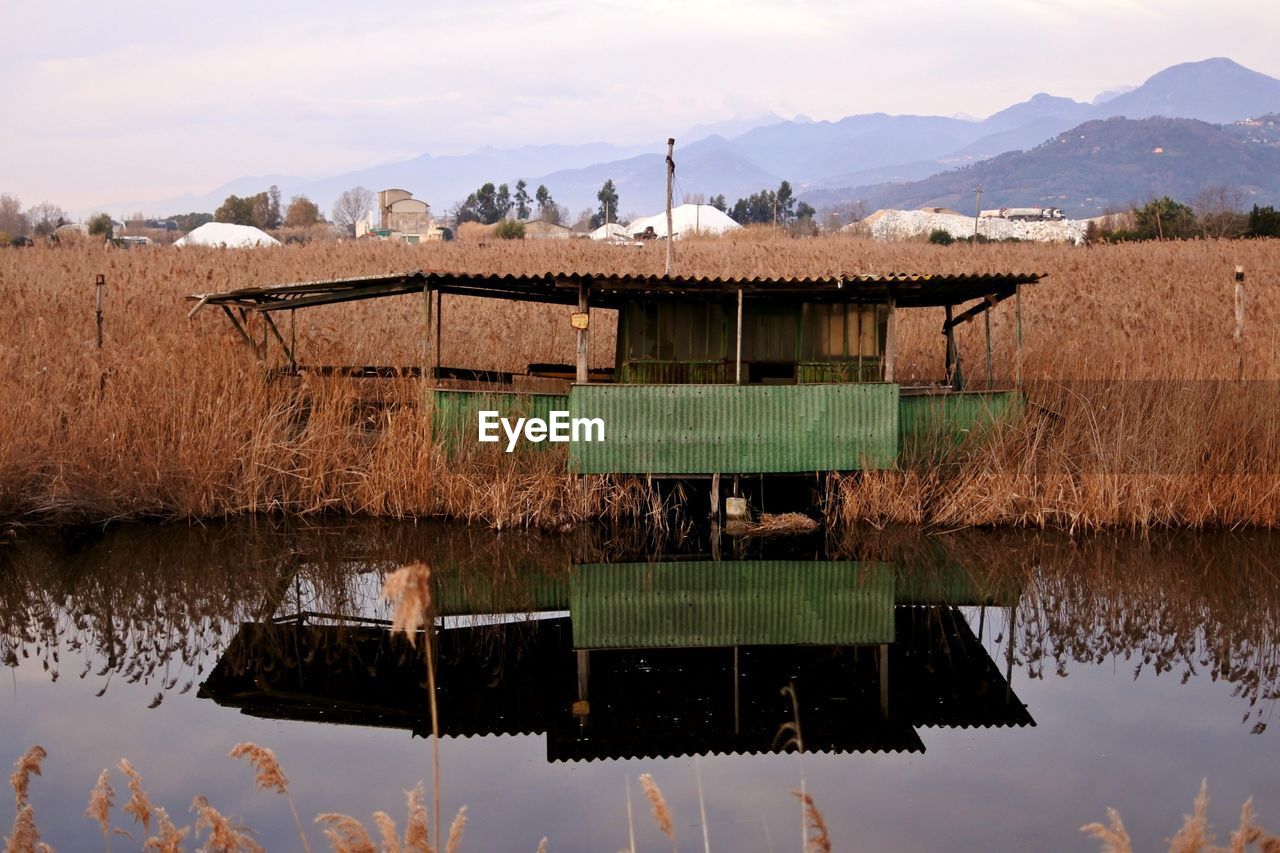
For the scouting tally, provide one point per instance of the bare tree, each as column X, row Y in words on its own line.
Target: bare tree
column 351, row 206
column 45, row 218
column 1218, row 211
column 12, row 220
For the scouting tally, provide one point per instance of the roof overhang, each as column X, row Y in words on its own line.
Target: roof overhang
column 613, row 290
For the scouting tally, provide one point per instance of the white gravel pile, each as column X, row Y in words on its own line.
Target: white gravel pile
column 906, row 224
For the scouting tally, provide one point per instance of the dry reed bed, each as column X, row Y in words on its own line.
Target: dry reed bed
column 172, row 418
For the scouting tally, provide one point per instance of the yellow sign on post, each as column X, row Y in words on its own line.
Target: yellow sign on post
column 578, row 320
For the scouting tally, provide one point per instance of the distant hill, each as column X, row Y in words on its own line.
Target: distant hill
column 1097, row 165
column 1214, row 90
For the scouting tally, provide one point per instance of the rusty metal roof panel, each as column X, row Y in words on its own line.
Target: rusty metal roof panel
column 609, row 289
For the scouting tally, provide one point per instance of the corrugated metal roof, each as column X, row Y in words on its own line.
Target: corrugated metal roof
column 761, row 602
column 704, row 429
column 609, row 290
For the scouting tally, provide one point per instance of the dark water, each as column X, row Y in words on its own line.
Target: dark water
column 962, row 692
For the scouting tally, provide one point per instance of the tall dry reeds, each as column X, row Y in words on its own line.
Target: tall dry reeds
column 173, row 418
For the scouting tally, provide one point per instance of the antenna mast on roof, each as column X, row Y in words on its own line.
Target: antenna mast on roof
column 671, row 174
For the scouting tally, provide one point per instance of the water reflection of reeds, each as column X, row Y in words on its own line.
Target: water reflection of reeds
column 150, row 605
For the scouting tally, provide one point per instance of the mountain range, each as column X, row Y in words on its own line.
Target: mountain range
column 1082, row 157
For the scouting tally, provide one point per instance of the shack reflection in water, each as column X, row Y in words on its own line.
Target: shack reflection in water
column 653, row 660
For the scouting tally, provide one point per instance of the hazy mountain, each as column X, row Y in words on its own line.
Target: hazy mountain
column 1099, row 164
column 731, row 127
column 711, row 166
column 746, row 154
column 1036, row 108
column 1214, row 90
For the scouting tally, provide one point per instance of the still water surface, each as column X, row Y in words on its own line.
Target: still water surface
column 965, row 691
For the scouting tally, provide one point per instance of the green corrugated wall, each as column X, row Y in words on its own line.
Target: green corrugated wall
column 762, row 602
column 749, row 429
column 934, row 424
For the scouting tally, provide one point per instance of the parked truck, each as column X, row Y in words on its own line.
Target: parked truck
column 1024, row 214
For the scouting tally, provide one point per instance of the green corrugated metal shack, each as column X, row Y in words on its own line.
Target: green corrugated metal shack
column 711, row 376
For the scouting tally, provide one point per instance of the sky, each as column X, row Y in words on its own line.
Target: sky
column 138, row 101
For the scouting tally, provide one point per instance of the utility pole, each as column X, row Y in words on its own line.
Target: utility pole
column 671, row 174
column 977, row 207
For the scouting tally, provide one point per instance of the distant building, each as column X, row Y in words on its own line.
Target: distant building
column 541, row 229
column 401, row 217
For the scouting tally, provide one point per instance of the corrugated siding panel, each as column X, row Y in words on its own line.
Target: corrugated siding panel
column 954, row 586
column 473, row 593
column 456, row 415
column 781, row 602
column 936, row 423
column 745, row 429
column 675, row 372
column 839, row 371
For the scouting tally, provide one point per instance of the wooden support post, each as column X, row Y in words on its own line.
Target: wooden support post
column 950, row 334
column 671, row 174
column 991, row 303
column 1017, row 336
column 439, row 315
column 890, row 339
column 584, row 307
column 293, row 340
column 884, row 681
column 715, row 498
column 427, row 374
column 1008, row 671
column 101, row 284
column 1238, row 336
column 737, row 692
column 737, row 361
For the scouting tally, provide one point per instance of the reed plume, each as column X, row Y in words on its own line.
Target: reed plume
column 168, row 838
column 270, row 777
column 223, row 836
column 101, row 801
column 346, row 834
column 387, row 832
column 23, row 769
column 25, row 836
column 816, row 838
column 417, row 838
column 1114, row 837
column 1193, row 836
column 542, row 845
column 455, row 831
column 409, row 589
column 661, row 814
column 139, row 804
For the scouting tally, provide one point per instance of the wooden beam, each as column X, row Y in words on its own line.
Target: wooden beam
column 988, row 302
column 240, row 328
column 288, row 350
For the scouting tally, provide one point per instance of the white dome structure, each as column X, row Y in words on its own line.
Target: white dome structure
column 686, row 219
column 227, row 236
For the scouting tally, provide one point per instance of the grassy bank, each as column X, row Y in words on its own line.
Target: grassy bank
column 1138, row 419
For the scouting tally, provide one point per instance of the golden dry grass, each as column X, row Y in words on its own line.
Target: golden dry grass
column 173, row 419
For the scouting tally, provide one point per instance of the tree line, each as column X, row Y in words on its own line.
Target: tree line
column 1215, row 214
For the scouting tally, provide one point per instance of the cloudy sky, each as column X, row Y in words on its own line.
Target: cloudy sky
column 106, row 103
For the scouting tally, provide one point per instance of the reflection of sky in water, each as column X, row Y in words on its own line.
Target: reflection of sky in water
column 1102, row 739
